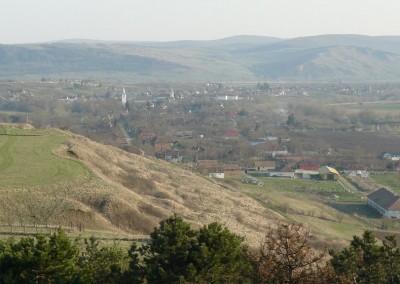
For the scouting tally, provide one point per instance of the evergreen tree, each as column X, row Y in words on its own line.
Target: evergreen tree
column 179, row 254
column 362, row 260
column 220, row 256
column 291, row 121
column 102, row 265
column 391, row 259
column 168, row 258
column 39, row 260
column 136, row 272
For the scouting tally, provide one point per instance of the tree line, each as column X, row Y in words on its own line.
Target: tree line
column 177, row 253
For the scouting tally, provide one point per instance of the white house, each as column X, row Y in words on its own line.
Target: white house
column 357, row 173
column 285, row 172
column 391, row 156
column 385, row 202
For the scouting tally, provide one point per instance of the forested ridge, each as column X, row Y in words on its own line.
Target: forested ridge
column 177, row 253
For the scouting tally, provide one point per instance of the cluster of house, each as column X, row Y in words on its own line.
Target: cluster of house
column 383, row 200
column 394, row 157
column 267, row 169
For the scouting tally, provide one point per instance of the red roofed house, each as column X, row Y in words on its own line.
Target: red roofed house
column 162, row 147
column 208, row 166
column 231, row 133
column 232, row 169
column 386, row 202
column 264, row 165
column 147, row 134
column 309, row 167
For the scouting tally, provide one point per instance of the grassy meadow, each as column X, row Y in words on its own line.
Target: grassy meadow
column 332, row 213
column 27, row 158
column 391, row 180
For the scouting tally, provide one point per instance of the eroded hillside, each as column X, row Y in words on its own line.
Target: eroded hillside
column 144, row 191
column 76, row 181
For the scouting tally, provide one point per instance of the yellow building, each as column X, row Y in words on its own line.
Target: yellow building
column 328, row 173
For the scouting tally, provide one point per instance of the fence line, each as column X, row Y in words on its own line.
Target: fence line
column 33, row 230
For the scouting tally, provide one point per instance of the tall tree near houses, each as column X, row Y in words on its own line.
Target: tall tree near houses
column 286, row 256
column 220, row 256
column 291, row 121
column 179, row 254
column 391, row 259
column 363, row 260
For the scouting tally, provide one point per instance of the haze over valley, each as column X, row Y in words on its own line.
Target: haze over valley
column 326, row 58
column 199, row 141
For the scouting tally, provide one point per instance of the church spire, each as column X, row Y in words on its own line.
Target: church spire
column 123, row 98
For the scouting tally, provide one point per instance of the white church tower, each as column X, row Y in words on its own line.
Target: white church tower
column 123, row 98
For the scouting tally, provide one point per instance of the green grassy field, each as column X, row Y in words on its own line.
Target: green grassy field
column 330, row 212
column 389, row 179
column 378, row 106
column 27, row 158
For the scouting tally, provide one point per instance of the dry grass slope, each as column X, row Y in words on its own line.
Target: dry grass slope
column 143, row 191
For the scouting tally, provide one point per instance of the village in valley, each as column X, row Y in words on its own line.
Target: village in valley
column 222, row 130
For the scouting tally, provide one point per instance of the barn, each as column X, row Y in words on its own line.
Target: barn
column 328, row 173
column 386, row 202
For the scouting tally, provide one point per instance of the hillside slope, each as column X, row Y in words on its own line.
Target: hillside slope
column 78, row 181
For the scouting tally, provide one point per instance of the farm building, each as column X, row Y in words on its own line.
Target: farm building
column 232, row 169
column 309, row 167
column 208, row 166
column 264, row 165
column 216, row 175
column 385, row 202
column 328, row 173
column 306, row 174
column 162, row 147
column 357, row 173
column 285, row 172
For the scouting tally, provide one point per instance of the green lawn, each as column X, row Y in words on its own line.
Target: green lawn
column 27, row 159
column 389, row 179
column 378, row 106
column 324, row 206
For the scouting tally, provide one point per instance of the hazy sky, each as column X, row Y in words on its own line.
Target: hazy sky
column 23, row 21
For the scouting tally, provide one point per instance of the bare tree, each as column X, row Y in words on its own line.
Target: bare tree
column 286, row 256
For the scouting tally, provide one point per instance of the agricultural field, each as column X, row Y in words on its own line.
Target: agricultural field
column 332, row 213
column 390, row 179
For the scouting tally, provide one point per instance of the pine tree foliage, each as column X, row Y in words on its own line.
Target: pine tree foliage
column 177, row 253
column 39, row 260
column 365, row 261
column 102, row 264
column 168, row 258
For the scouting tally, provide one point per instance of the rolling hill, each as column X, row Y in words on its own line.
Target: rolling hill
column 52, row 177
column 326, row 58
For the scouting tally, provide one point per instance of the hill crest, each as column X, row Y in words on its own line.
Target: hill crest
column 117, row 190
column 237, row 58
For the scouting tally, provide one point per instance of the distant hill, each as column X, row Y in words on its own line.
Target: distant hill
column 325, row 58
